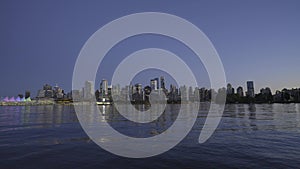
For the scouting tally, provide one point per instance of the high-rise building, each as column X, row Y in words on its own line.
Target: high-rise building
column 157, row 82
column 138, row 95
column 162, row 82
column 58, row 92
column 250, row 89
column 230, row 89
column 75, row 95
column 240, row 91
column 104, row 87
column 88, row 90
column 154, row 84
column 139, row 88
column 184, row 93
column 191, row 94
column 126, row 93
column 46, row 92
column 172, row 89
column 116, row 90
column 196, row 94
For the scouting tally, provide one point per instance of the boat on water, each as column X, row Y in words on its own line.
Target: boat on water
column 104, row 101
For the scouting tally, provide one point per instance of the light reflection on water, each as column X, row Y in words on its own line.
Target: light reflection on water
column 251, row 136
column 18, row 117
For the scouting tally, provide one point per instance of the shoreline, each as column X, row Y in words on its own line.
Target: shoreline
column 52, row 102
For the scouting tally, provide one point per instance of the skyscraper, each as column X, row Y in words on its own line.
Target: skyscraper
column 250, row 89
column 104, row 87
column 230, row 90
column 154, row 84
column 139, row 88
column 240, row 91
column 88, row 90
column 162, row 82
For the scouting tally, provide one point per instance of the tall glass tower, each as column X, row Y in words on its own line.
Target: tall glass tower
column 250, row 89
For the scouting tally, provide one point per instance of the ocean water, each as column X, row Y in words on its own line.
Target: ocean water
column 248, row 136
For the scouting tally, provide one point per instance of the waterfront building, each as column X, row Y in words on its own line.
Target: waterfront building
column 266, row 91
column 124, row 95
column 173, row 95
column 75, row 94
column 197, row 94
column 184, row 93
column 130, row 91
column 202, row 94
column 139, row 88
column 20, row 95
column 157, row 83
column 230, row 89
column 46, row 92
column 116, row 90
column 191, row 94
column 265, row 96
column 213, row 94
column 49, row 93
column 12, row 99
column 250, row 89
column 162, row 82
column 47, row 87
column 104, row 87
column 287, row 95
column 58, row 92
column 154, row 84
column 6, row 99
column 138, row 95
column 41, row 94
column 27, row 94
column 240, row 91
column 88, row 90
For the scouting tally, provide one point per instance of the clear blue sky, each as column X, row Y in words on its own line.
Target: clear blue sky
column 256, row 40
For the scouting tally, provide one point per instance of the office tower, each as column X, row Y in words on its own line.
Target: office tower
column 138, row 95
column 46, row 92
column 147, row 90
column 250, row 89
column 157, row 82
column 154, row 84
column 116, row 89
column 240, row 91
column 191, row 94
column 197, row 94
column 104, row 87
column 162, row 82
column 184, row 93
column 58, row 92
column 230, row 90
column 127, row 92
column 139, row 88
column 88, row 90
column 75, row 95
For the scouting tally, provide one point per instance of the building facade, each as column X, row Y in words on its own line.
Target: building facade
column 250, row 89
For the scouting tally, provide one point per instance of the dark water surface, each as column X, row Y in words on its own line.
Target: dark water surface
column 249, row 136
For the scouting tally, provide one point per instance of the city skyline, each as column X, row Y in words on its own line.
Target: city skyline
column 256, row 40
column 139, row 94
column 248, row 90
